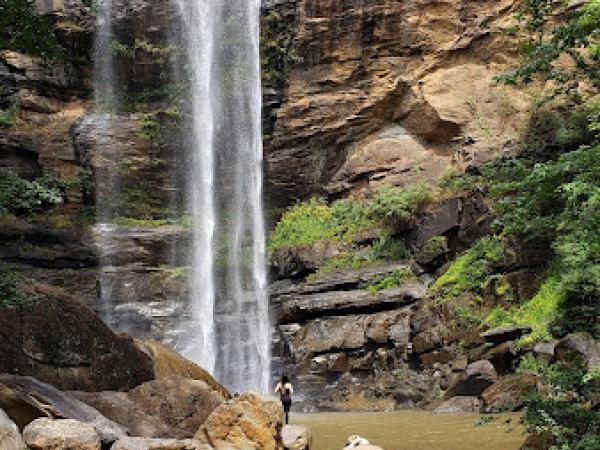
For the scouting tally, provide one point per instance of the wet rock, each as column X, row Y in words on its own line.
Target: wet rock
column 248, row 421
column 296, row 437
column 81, row 352
column 505, row 334
column 137, row 443
column 62, row 434
column 478, row 377
column 10, row 439
column 507, row 393
column 37, row 399
column 581, row 345
column 459, row 405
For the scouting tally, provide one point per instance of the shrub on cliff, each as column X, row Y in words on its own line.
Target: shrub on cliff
column 308, row 222
column 24, row 30
column 25, row 198
column 11, row 294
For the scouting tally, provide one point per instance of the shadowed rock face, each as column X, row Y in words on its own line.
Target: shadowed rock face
column 61, row 341
column 169, row 407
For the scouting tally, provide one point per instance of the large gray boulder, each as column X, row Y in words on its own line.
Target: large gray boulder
column 62, row 434
column 581, row 345
column 10, row 439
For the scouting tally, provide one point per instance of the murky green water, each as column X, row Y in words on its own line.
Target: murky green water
column 414, row 430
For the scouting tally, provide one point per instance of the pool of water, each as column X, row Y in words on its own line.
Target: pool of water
column 414, row 430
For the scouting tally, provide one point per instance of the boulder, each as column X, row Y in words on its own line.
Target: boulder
column 505, row 334
column 168, row 363
column 19, row 406
column 137, row 443
column 181, row 403
column 581, row 345
column 247, row 422
column 476, row 379
column 168, row 407
column 10, row 439
column 290, row 262
column 507, row 393
column 545, row 350
column 296, row 437
column 43, row 400
column 80, row 352
column 503, row 356
column 62, row 434
column 459, row 404
column 120, row 408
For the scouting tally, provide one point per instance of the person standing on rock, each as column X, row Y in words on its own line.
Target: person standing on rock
column 285, row 390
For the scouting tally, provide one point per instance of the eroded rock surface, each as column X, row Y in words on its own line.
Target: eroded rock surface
column 61, row 434
column 244, row 423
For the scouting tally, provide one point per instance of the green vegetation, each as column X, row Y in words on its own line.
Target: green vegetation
column 277, row 49
column 433, row 248
column 539, row 313
column 160, row 54
column 184, row 221
column 26, row 198
column 471, row 271
column 393, row 280
column 561, row 413
column 308, row 222
column 24, row 30
column 551, row 194
column 11, row 296
column 6, row 118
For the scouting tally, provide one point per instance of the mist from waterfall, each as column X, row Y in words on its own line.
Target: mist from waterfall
column 228, row 332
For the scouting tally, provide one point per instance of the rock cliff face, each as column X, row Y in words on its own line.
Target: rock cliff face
column 389, row 92
column 392, row 92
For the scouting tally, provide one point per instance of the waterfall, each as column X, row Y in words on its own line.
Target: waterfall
column 229, row 329
column 107, row 181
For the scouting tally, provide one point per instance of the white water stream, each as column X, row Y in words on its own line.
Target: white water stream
column 228, row 279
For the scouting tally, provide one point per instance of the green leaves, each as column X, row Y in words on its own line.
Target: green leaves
column 11, row 295
column 24, row 198
column 577, row 39
column 312, row 221
column 22, row 29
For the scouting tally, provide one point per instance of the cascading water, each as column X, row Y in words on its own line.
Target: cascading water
column 229, row 329
column 106, row 180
